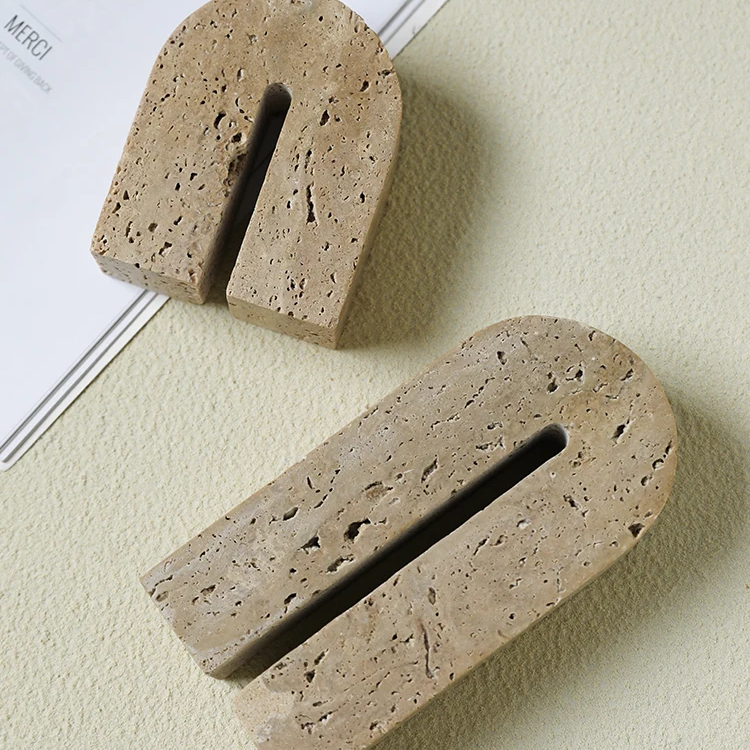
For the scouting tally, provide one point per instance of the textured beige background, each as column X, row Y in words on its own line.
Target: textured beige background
column 580, row 159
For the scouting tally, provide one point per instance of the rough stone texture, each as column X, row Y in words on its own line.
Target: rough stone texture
column 230, row 589
column 172, row 200
column 481, row 586
column 543, row 169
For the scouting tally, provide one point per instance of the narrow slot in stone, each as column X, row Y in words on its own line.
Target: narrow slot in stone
column 254, row 166
column 527, row 458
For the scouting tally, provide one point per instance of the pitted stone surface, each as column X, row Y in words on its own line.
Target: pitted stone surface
column 230, row 588
column 171, row 203
column 476, row 589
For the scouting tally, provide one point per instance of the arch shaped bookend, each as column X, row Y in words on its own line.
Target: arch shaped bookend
column 175, row 194
column 426, row 534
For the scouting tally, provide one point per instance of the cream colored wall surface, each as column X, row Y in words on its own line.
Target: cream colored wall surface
column 587, row 160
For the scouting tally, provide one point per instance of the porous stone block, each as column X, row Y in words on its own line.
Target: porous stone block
column 173, row 200
column 232, row 588
column 513, row 562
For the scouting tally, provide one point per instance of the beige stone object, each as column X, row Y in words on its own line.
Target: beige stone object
column 526, row 387
column 224, row 72
column 515, row 560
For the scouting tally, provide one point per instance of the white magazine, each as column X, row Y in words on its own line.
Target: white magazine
column 71, row 76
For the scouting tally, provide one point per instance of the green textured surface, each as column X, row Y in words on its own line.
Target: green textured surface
column 566, row 158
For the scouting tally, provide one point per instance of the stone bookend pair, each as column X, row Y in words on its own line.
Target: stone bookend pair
column 437, row 526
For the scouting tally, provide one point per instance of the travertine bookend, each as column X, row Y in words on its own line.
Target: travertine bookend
column 473, row 591
column 540, row 450
column 220, row 76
